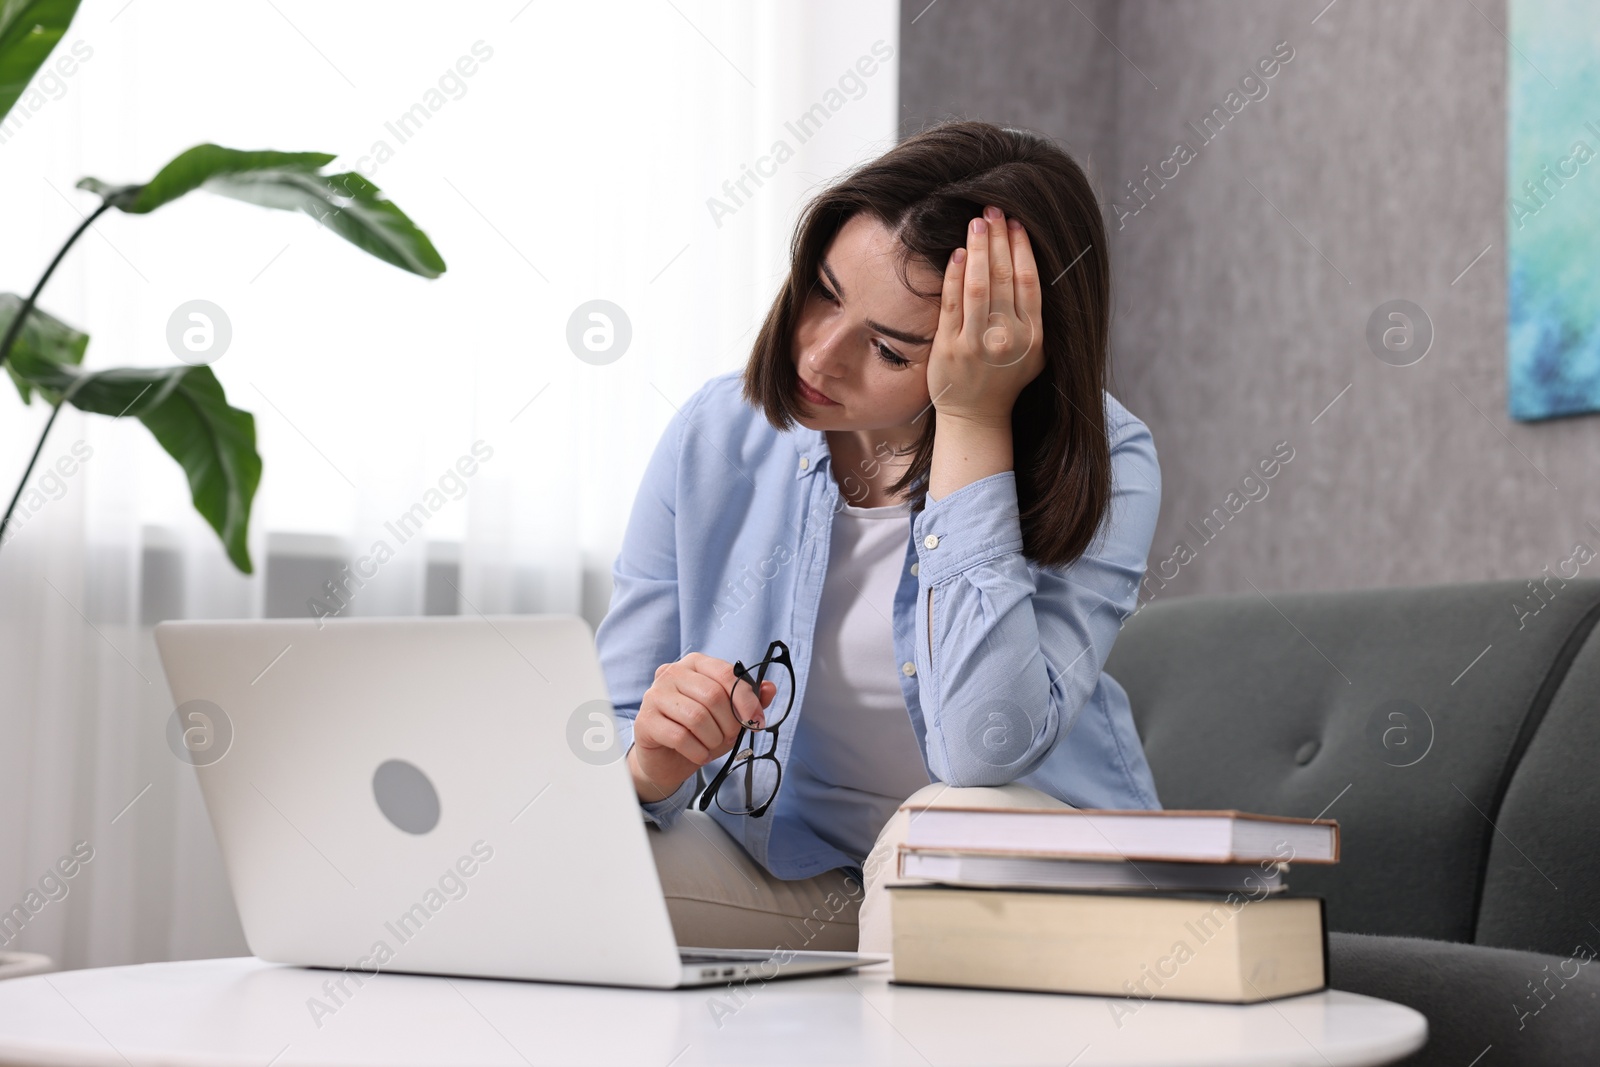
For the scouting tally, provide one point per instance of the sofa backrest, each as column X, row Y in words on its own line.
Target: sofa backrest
column 1542, row 887
column 1402, row 712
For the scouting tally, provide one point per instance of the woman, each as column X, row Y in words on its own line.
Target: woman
column 918, row 495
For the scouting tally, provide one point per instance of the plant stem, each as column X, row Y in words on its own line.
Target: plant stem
column 27, row 307
column 51, row 421
column 10, row 341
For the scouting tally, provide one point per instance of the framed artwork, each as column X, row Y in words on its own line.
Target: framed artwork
column 1553, row 204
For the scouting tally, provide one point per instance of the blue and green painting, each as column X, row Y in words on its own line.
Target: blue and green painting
column 1553, row 200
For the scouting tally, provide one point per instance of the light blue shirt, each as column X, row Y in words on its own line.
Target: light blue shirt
column 726, row 550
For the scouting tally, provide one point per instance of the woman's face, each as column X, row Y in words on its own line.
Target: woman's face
column 863, row 339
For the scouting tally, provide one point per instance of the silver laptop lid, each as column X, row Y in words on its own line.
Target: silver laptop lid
column 435, row 795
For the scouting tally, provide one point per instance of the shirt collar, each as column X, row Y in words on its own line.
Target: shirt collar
column 811, row 449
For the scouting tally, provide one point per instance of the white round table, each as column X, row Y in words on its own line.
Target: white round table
column 250, row 1013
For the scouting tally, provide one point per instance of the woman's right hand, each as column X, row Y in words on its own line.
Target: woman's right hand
column 690, row 716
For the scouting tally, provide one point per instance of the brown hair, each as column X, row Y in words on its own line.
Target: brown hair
column 925, row 190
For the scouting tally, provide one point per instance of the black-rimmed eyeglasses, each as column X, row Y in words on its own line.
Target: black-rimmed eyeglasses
column 748, row 781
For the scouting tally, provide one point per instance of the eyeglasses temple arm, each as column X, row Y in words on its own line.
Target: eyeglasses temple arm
column 727, row 765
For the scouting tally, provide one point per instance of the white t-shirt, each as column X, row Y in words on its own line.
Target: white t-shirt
column 854, row 753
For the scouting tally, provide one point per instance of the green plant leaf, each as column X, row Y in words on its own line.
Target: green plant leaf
column 187, row 411
column 29, row 31
column 119, row 195
column 348, row 204
column 44, row 339
column 191, row 169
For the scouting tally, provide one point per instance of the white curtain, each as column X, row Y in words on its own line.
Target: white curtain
column 556, row 154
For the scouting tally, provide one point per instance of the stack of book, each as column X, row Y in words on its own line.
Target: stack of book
column 1172, row 905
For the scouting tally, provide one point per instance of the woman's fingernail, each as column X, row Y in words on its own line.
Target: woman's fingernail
column 979, row 226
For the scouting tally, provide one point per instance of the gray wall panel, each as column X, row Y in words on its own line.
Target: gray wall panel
column 1014, row 62
column 1378, row 164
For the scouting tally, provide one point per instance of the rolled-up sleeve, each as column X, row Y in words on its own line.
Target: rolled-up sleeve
column 1007, row 657
column 641, row 629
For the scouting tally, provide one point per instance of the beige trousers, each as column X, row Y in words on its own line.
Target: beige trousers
column 718, row 897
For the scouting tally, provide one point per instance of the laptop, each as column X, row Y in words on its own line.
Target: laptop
column 440, row 795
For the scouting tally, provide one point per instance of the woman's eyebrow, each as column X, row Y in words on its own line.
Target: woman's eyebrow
column 899, row 335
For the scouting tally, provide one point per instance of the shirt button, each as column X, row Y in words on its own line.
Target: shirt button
column 914, row 567
column 931, row 541
column 805, row 461
column 908, row 669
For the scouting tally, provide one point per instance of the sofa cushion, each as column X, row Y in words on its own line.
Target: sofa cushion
column 1542, row 884
column 1533, row 1010
column 1395, row 711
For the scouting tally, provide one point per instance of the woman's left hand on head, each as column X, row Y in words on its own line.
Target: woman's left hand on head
column 990, row 340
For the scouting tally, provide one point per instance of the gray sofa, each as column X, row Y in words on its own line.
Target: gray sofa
column 1454, row 733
